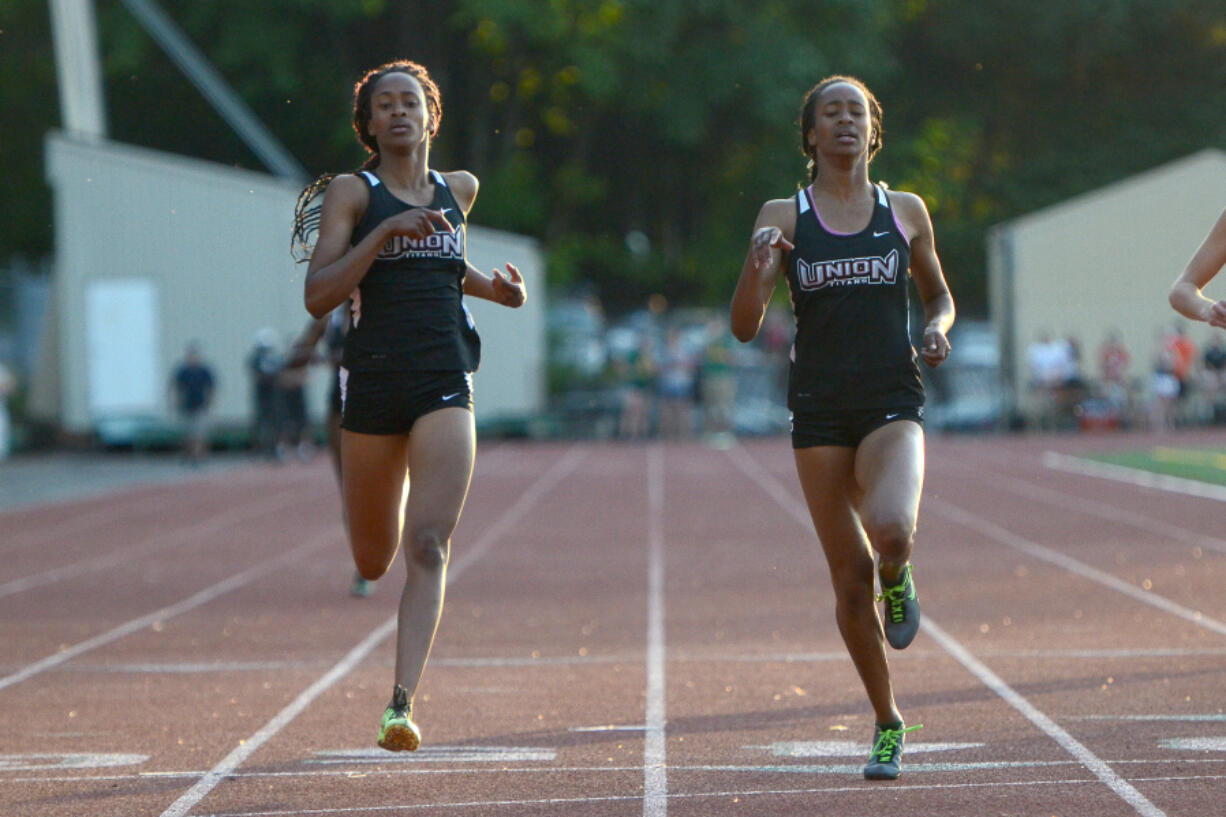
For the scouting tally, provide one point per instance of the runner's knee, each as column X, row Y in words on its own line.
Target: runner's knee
column 891, row 537
column 853, row 606
column 852, row 580
column 429, row 548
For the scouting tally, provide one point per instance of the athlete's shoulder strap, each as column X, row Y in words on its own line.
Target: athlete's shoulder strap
column 370, row 178
column 802, row 202
column 438, row 178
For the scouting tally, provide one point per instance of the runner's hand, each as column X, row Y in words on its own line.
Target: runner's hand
column 768, row 247
column 418, row 223
column 936, row 347
column 1217, row 315
column 509, row 289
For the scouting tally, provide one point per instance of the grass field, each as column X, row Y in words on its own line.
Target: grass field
column 1204, row 464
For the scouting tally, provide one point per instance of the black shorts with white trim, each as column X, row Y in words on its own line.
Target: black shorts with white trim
column 391, row 402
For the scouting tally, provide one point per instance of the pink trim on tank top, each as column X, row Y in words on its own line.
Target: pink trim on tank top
column 821, row 221
column 898, row 224
column 818, row 214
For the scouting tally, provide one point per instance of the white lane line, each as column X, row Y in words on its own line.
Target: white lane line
column 1010, row 539
column 79, row 760
column 784, row 498
column 322, row 771
column 190, row 603
column 655, row 770
column 158, row 541
column 1216, row 717
column 1074, row 747
column 1133, row 476
column 438, row 754
column 734, row 796
column 191, row 668
column 537, row 661
column 851, row 748
column 1111, row 513
column 1157, row 652
column 513, row 515
column 246, row 748
column 1087, row 758
column 1215, row 744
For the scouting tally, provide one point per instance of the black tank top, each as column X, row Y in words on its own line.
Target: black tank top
column 852, row 306
column 334, row 333
column 408, row 312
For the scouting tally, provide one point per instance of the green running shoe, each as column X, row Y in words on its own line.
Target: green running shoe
column 361, row 588
column 902, row 612
column 398, row 733
column 885, row 761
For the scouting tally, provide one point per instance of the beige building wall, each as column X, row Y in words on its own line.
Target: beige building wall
column 1103, row 261
column 206, row 248
column 510, row 384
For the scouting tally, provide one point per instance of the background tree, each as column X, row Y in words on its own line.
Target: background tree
column 637, row 139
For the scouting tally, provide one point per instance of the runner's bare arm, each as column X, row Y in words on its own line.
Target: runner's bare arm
column 771, row 241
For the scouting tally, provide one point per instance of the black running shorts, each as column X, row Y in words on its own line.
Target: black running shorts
column 846, row 427
column 391, row 402
column 334, row 395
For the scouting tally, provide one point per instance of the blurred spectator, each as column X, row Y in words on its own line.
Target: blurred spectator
column 718, row 383
column 1073, row 375
column 8, row 385
column 1050, row 360
column 265, row 363
column 292, row 435
column 636, row 373
column 1182, row 356
column 1164, row 391
column 678, row 370
column 193, row 384
column 1213, row 367
column 1113, row 359
column 1113, row 362
column 1053, row 369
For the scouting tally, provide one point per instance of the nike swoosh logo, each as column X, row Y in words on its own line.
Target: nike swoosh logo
column 879, row 235
column 447, row 397
column 892, row 416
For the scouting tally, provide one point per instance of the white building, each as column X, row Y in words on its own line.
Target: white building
column 155, row 250
column 1101, row 262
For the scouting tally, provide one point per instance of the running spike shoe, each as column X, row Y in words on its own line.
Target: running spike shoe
column 397, row 732
column 361, row 588
column 902, row 611
column 885, row 761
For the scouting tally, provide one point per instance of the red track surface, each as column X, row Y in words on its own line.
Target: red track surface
column 628, row 631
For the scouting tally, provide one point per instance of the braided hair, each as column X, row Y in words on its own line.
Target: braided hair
column 808, row 118
column 310, row 200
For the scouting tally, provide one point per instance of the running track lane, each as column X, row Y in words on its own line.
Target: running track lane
column 1024, row 569
column 248, row 747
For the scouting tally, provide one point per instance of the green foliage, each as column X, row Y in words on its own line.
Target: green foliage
column 638, row 139
column 28, row 108
column 512, row 196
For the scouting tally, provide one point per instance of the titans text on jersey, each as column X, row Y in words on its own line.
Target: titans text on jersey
column 436, row 245
column 869, row 270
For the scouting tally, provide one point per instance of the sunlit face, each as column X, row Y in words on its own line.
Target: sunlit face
column 842, row 122
column 398, row 112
